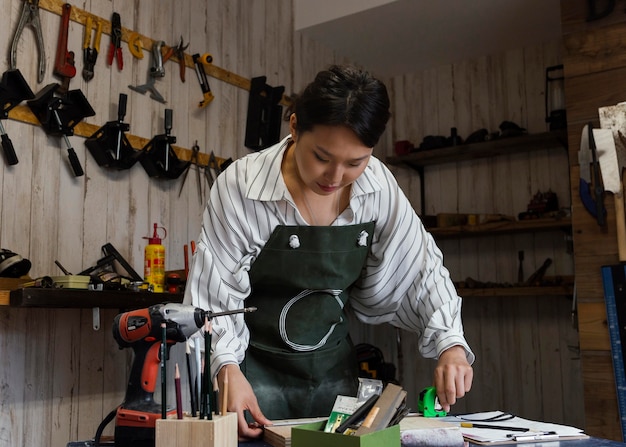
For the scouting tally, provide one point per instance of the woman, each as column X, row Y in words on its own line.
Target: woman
column 301, row 229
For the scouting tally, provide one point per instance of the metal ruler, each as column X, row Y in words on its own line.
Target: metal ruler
column 614, row 283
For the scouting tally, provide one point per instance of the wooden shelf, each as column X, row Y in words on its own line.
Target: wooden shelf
column 564, row 290
column 501, row 146
column 502, row 227
column 86, row 299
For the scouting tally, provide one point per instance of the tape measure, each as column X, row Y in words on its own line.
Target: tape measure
column 428, row 403
column 614, row 278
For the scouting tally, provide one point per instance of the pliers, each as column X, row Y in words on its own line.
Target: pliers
column 90, row 54
column 115, row 47
column 179, row 52
column 30, row 17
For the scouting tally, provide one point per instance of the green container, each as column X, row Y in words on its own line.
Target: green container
column 313, row 435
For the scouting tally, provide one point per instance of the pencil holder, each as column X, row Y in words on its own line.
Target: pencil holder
column 221, row 431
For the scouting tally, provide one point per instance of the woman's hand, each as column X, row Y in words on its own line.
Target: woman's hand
column 453, row 376
column 240, row 398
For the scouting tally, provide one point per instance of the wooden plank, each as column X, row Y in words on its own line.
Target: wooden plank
column 593, row 327
column 575, row 15
column 586, row 93
column 83, row 299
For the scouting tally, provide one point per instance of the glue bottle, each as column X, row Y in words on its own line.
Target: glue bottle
column 154, row 261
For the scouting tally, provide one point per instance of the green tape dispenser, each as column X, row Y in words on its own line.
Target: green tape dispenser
column 428, row 403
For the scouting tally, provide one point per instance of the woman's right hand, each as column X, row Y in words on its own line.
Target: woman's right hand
column 241, row 398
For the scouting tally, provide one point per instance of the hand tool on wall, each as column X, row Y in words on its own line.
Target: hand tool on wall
column 135, row 45
column 109, row 145
column 179, row 52
column 202, row 79
column 156, row 71
column 115, row 47
column 611, row 150
column 264, row 114
column 13, row 90
column 30, row 17
column 90, row 54
column 195, row 151
column 64, row 62
column 59, row 114
column 584, row 185
column 536, row 278
column 159, row 158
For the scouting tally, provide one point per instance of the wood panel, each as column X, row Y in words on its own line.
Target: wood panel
column 594, row 68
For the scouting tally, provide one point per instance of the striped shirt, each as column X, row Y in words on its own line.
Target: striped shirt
column 404, row 282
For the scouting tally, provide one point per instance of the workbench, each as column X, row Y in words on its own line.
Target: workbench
column 591, row 442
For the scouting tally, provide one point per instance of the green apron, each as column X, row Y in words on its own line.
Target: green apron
column 300, row 356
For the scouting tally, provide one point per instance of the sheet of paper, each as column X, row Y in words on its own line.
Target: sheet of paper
column 486, row 435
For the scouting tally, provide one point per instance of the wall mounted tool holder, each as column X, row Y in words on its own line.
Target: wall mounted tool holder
column 159, row 158
column 109, row 145
column 264, row 114
column 13, row 90
column 59, row 114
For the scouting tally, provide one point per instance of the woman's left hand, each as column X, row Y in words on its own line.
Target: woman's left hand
column 453, row 376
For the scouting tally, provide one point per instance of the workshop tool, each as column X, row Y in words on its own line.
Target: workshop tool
column 115, row 47
column 140, row 330
column 13, row 90
column 611, row 149
column 202, row 79
column 264, row 114
column 179, row 52
column 12, row 265
column 195, row 151
column 59, row 114
column 585, row 154
column 159, row 158
column 212, row 167
column 135, row 45
column 30, row 17
column 155, row 71
column 111, row 255
column 64, row 62
column 428, row 403
column 109, row 145
column 90, row 53
column 520, row 269
column 536, row 278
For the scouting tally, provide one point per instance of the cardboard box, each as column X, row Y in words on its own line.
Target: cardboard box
column 312, row 435
column 219, row 432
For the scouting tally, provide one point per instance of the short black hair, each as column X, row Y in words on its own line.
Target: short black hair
column 347, row 96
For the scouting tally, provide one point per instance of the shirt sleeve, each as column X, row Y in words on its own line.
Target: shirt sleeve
column 218, row 277
column 404, row 281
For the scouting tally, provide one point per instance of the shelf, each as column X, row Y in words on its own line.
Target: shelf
column 87, row 299
column 564, row 290
column 502, row 227
column 501, row 146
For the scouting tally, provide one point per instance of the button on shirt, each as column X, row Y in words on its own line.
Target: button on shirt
column 404, row 282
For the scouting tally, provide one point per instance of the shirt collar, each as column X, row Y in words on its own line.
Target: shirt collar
column 266, row 166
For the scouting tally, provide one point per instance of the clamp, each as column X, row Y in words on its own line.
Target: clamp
column 115, row 47
column 135, row 45
column 428, row 403
column 30, row 17
column 90, row 54
column 155, row 71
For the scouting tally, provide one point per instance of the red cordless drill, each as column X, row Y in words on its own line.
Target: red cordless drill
column 141, row 330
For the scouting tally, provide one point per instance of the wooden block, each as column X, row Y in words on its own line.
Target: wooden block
column 219, row 432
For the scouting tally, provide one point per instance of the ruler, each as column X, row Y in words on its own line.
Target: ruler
column 614, row 283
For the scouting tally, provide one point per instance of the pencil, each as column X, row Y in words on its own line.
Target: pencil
column 163, row 371
column 189, row 375
column 225, row 393
column 179, row 399
column 493, row 427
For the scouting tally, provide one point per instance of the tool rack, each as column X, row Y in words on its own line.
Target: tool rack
column 23, row 113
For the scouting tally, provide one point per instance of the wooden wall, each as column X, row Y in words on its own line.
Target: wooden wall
column 60, row 377
column 594, row 67
column 527, row 347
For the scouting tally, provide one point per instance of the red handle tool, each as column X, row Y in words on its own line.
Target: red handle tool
column 64, row 62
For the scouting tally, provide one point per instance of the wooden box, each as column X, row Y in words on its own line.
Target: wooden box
column 219, row 432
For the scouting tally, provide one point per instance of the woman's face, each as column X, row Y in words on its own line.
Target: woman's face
column 328, row 157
